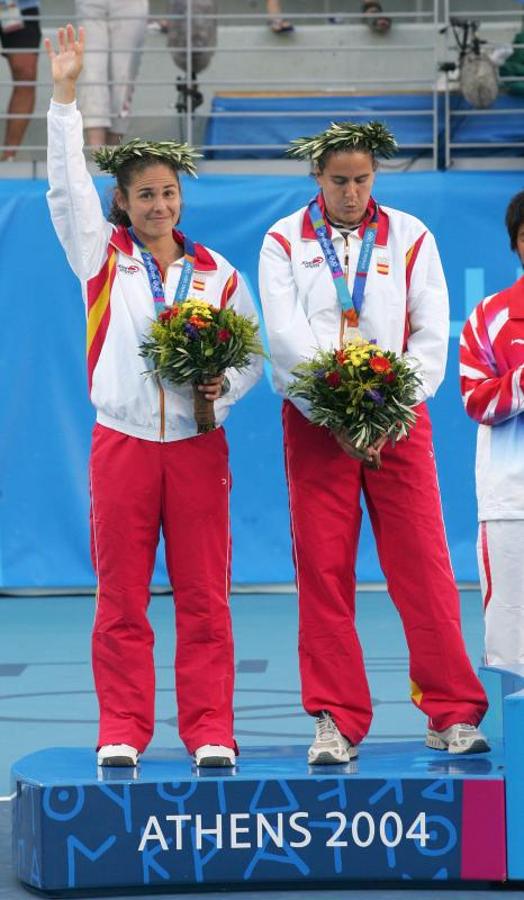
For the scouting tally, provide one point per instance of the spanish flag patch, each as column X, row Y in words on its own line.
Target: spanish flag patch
column 383, row 265
column 199, row 284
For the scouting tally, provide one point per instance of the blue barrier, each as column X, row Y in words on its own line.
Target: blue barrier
column 268, row 126
column 45, row 416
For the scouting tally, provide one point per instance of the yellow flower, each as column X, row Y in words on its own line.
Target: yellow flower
column 197, row 308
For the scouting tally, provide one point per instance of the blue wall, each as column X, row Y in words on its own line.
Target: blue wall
column 46, row 418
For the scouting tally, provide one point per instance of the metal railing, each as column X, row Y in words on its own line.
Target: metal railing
column 453, row 117
column 164, row 97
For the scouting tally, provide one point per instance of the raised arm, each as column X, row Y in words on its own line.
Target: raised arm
column 75, row 207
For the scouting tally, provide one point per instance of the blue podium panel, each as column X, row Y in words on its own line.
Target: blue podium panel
column 399, row 812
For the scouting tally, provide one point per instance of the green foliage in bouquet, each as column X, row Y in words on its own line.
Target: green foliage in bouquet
column 361, row 390
column 193, row 340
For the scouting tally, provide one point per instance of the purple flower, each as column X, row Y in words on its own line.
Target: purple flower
column 320, row 374
column 376, row 396
column 373, row 341
column 191, row 331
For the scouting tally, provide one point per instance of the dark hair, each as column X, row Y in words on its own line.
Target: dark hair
column 125, row 175
column 515, row 218
column 320, row 164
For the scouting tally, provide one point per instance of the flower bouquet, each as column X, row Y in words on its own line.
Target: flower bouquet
column 193, row 341
column 360, row 390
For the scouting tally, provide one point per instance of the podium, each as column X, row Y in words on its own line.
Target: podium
column 399, row 812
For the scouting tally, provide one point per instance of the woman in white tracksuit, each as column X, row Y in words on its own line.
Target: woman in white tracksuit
column 400, row 300
column 492, row 386
column 149, row 469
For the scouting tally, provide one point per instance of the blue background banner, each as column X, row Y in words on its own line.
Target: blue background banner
column 46, row 418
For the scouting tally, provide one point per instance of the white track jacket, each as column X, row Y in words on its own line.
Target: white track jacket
column 119, row 303
column 405, row 306
column 492, row 386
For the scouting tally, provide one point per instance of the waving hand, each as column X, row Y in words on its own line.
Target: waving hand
column 66, row 62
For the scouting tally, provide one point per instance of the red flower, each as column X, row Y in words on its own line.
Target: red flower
column 340, row 357
column 170, row 313
column 223, row 335
column 380, row 364
column 389, row 377
column 333, row 379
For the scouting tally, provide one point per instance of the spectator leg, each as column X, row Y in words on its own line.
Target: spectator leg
column 93, row 90
column 127, row 38
column 277, row 24
column 96, row 137
column 23, row 68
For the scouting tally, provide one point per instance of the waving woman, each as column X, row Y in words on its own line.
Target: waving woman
column 149, row 469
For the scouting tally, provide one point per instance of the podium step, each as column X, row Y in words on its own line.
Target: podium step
column 398, row 812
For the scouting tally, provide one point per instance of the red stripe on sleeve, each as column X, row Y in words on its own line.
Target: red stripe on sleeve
column 411, row 258
column 95, row 286
column 229, row 289
column 280, row 239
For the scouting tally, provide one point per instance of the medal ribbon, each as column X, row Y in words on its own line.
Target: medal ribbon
column 351, row 303
column 155, row 278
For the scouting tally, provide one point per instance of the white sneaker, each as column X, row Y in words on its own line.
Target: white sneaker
column 330, row 747
column 214, row 755
column 117, row 755
column 459, row 738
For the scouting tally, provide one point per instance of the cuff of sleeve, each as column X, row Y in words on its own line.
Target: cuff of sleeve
column 63, row 109
column 303, row 406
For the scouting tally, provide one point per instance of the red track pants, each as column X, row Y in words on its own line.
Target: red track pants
column 138, row 487
column 403, row 501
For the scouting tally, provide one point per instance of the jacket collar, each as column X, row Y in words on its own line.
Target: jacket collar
column 308, row 232
column 204, row 262
column 516, row 299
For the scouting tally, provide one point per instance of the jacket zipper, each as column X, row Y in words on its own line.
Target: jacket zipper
column 346, row 276
column 162, row 396
column 162, row 435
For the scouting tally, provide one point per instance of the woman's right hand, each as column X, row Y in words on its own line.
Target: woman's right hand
column 370, row 456
column 66, row 62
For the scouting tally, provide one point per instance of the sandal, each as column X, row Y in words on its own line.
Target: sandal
column 374, row 18
column 280, row 26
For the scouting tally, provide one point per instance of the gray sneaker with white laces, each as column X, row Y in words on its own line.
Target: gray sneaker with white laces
column 330, row 747
column 459, row 738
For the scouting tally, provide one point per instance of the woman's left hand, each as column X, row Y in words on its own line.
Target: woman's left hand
column 374, row 461
column 212, row 388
